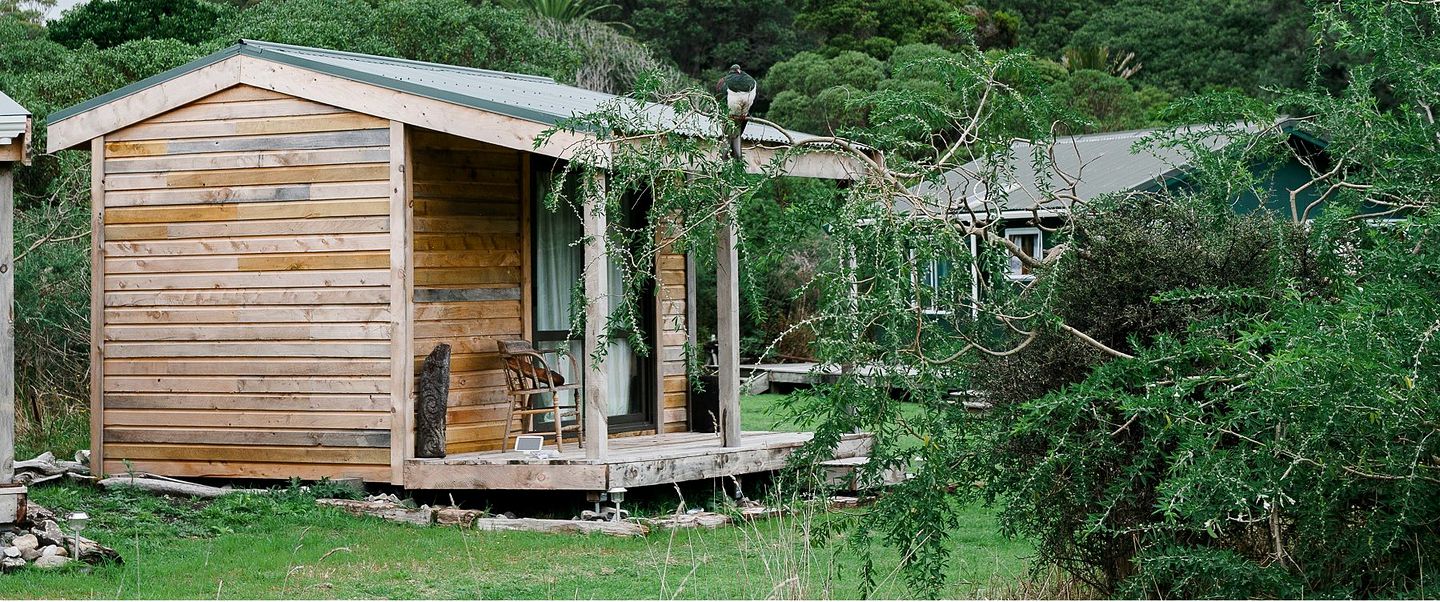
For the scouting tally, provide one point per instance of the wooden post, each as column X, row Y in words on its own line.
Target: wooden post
column 402, row 283
column 597, row 313
column 727, row 306
column 97, row 306
column 7, row 324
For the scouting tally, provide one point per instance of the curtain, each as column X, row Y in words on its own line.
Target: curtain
column 558, row 266
column 620, row 359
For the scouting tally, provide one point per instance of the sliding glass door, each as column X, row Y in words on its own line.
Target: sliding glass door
column 558, row 295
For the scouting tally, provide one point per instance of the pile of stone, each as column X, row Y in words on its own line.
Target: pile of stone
column 38, row 541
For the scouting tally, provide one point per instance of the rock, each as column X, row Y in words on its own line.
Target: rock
column 51, row 562
column 6, row 538
column 50, row 533
column 510, row 515
column 37, row 514
column 27, row 541
column 29, row 554
column 10, row 564
column 12, row 552
column 53, row 551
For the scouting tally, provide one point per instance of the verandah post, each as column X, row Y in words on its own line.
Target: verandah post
column 7, row 326
column 597, row 312
column 727, row 302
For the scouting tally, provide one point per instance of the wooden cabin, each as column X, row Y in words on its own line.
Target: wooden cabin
column 282, row 234
column 15, row 127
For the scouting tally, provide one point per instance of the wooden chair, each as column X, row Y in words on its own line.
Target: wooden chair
column 528, row 377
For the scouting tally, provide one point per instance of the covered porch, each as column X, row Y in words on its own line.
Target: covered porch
column 635, row 461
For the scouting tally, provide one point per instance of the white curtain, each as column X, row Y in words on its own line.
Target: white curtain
column 620, row 359
column 558, row 265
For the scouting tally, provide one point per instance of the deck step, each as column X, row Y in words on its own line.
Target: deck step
column 844, row 473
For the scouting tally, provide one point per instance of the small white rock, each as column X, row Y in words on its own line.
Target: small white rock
column 51, row 562
column 12, row 552
column 53, row 551
column 10, row 564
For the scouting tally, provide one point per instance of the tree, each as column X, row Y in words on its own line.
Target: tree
column 30, row 11
column 703, row 37
column 607, row 61
column 1198, row 45
column 443, row 31
column 1198, row 403
column 877, row 28
column 108, row 23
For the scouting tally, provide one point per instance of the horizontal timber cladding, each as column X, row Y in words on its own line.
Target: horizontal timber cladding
column 246, row 316
column 673, row 335
column 469, row 265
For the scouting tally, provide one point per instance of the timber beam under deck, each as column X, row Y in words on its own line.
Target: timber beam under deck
column 632, row 462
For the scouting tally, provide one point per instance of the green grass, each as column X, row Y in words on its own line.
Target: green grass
column 283, row 546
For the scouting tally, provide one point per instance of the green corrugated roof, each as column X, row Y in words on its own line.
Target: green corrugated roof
column 528, row 97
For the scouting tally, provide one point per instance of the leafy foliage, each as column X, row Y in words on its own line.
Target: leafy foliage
column 877, row 28
column 607, row 60
column 703, row 37
column 561, row 10
column 1186, row 401
column 107, row 23
column 443, row 31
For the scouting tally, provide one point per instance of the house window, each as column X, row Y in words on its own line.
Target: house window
column 1032, row 242
column 932, row 275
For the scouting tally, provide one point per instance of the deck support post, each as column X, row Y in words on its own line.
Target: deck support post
column 597, row 313
column 727, row 306
column 7, row 325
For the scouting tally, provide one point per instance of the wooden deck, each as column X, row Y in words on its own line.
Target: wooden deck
column 632, row 462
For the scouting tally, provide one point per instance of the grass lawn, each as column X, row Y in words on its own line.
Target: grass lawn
column 282, row 546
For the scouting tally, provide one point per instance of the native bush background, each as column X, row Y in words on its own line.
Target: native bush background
column 1273, row 433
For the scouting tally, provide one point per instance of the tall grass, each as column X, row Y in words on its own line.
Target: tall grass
column 52, row 309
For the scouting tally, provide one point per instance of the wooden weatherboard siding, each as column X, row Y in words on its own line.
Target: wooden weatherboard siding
column 469, row 274
column 674, row 334
column 246, row 322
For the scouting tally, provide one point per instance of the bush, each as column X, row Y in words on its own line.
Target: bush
column 1274, row 436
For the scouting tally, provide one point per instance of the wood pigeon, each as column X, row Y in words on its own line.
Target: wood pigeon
column 739, row 90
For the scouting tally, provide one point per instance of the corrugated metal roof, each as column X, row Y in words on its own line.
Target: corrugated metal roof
column 12, row 119
column 1104, row 164
column 528, row 97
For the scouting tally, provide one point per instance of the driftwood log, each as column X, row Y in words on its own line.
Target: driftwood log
column 434, row 389
column 171, row 487
column 542, row 525
column 46, row 467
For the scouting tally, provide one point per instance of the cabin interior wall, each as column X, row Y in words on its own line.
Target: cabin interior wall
column 469, row 274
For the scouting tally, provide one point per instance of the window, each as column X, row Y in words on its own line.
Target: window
column 933, row 274
column 1032, row 242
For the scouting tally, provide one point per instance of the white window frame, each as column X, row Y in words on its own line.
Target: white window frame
column 1039, row 248
column 928, row 276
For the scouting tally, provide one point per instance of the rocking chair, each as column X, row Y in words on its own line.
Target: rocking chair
column 528, row 377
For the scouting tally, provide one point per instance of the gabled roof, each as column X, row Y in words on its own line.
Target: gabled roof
column 14, row 120
column 531, row 98
column 1103, row 163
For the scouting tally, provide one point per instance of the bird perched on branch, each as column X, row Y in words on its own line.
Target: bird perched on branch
column 739, row 90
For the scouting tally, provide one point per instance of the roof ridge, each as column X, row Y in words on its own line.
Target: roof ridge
column 263, row 45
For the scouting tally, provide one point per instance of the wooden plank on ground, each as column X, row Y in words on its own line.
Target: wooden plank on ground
column 578, row 477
